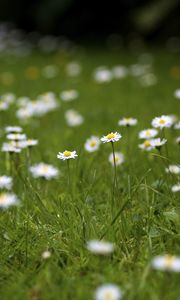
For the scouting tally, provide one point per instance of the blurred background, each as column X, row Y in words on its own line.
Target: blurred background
column 153, row 20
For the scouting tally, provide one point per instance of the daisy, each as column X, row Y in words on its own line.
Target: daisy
column 177, row 94
column 175, row 169
column 7, row 199
column 178, row 140
column 119, row 72
column 162, row 122
column 70, row 95
column 16, row 136
column 73, row 118
column 73, row 69
column 92, row 144
column 166, row 263
column 46, row 254
column 7, row 147
column 44, row 170
column 111, row 137
column 147, row 133
column 13, row 129
column 67, row 155
column 31, row 143
column 3, row 105
column 177, row 125
column 102, row 75
column 176, row 188
column 119, row 158
column 147, row 145
column 108, row 292
column 158, row 143
column 127, row 122
column 5, row 182
column 100, row 247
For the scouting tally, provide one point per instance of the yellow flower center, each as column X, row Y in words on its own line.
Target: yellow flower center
column 67, row 153
column 2, row 198
column 162, row 121
column 127, row 119
column 93, row 143
column 45, row 169
column 147, row 144
column 148, row 133
column 168, row 261
column 108, row 295
column 110, row 136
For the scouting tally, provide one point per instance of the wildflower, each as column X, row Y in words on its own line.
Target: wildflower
column 146, row 145
column 147, row 133
column 67, row 155
column 102, row 74
column 31, row 143
column 5, row 182
column 100, row 247
column 8, row 98
column 92, row 144
column 44, row 170
column 119, row 72
column 178, row 140
column 119, row 158
column 73, row 118
column 73, row 69
column 162, row 122
column 67, row 96
column 108, row 292
column 3, row 105
column 127, row 122
column 177, row 125
column 158, row 143
column 8, row 147
column 166, row 263
column 16, row 136
column 177, row 94
column 111, row 137
column 13, row 129
column 176, row 188
column 7, row 199
column 175, row 169
column 46, row 254
column 50, row 71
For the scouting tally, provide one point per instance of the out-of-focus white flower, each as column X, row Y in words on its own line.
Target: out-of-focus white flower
column 177, row 94
column 127, row 122
column 111, row 137
column 174, row 118
column 147, row 133
column 100, row 247
column 119, row 158
column 73, row 118
column 178, row 140
column 8, row 147
column 119, row 72
column 175, row 169
column 146, row 145
column 16, row 136
column 158, row 143
column 44, row 170
column 162, row 122
column 177, row 125
column 46, row 254
column 6, row 182
column 13, row 129
column 108, row 292
column 3, row 105
column 69, row 95
column 8, row 98
column 92, row 144
column 50, row 71
column 176, row 188
column 166, row 263
column 73, row 69
column 148, row 79
column 67, row 155
column 7, row 199
column 31, row 142
column 102, row 74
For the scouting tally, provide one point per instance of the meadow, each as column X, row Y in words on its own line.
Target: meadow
column 44, row 237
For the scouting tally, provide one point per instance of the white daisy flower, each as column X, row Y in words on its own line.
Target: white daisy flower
column 73, row 69
column 73, row 118
column 7, row 199
column 177, row 125
column 166, row 263
column 92, row 144
column 31, row 142
column 13, row 129
column 67, row 155
column 162, row 122
column 178, row 140
column 100, row 247
column 8, row 147
column 174, row 118
column 6, row 182
column 102, row 74
column 8, row 98
column 108, row 292
column 176, row 188
column 177, row 94
column 70, row 95
column 46, row 254
column 147, row 133
column 158, row 143
column 3, row 105
column 119, row 72
column 146, row 145
column 127, row 122
column 111, row 137
column 119, row 158
column 175, row 169
column 50, row 71
column 16, row 136
column 44, row 170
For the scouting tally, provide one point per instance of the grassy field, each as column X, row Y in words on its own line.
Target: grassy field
column 60, row 217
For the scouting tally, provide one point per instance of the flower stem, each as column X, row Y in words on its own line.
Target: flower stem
column 115, row 177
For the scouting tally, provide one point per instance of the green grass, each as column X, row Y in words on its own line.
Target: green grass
column 147, row 222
